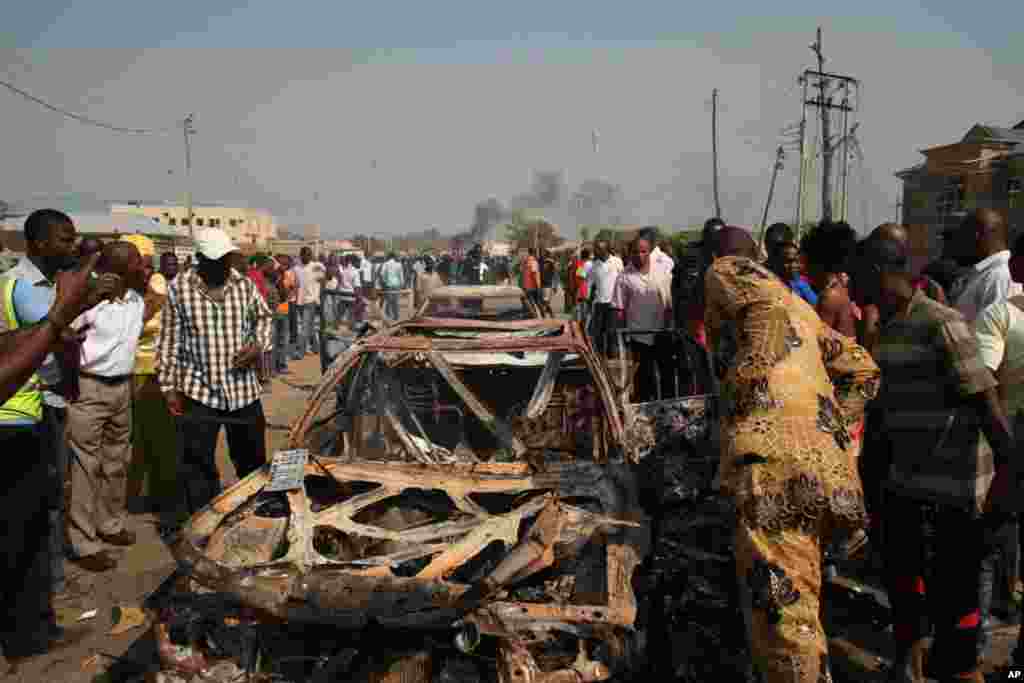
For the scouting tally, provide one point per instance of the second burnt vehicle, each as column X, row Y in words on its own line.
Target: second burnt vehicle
column 477, row 479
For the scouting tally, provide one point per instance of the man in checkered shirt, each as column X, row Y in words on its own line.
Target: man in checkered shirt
column 947, row 493
column 216, row 327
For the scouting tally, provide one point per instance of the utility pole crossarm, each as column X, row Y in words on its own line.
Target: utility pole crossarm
column 831, row 77
column 829, row 105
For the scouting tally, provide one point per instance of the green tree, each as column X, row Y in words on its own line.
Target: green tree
column 585, row 233
column 526, row 231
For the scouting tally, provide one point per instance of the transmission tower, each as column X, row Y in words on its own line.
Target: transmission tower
column 835, row 94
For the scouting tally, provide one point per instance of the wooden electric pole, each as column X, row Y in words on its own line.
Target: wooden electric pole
column 780, row 155
column 801, row 194
column 826, row 133
column 714, row 150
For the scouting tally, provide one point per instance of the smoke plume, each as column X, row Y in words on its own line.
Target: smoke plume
column 486, row 216
column 591, row 203
column 548, row 189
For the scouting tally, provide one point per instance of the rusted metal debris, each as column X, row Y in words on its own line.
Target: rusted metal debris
column 513, row 537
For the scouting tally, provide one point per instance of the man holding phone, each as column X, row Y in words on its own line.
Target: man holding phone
column 216, row 326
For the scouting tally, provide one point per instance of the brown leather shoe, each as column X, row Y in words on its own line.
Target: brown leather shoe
column 97, row 562
column 122, row 538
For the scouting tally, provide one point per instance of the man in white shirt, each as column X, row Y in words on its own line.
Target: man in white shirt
column 348, row 285
column 999, row 329
column 312, row 275
column 981, row 244
column 366, row 272
column 99, row 423
column 601, row 283
column 391, row 280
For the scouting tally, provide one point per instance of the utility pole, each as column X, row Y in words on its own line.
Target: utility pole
column 780, row 155
column 899, row 205
column 188, row 130
column 823, row 81
column 801, row 197
column 845, row 167
column 714, row 149
column 826, row 133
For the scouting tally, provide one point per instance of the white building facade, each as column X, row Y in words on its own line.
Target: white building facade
column 246, row 226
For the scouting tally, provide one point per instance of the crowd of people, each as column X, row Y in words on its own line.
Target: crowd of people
column 141, row 365
column 863, row 404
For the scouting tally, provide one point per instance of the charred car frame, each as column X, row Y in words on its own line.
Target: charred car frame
column 463, row 475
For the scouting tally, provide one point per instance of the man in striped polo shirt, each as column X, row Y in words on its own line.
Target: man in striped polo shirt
column 946, row 494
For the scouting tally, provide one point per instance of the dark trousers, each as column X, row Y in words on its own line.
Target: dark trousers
column 55, row 421
column 25, row 500
column 934, row 556
column 198, row 430
column 654, row 364
column 282, row 343
column 602, row 324
column 1017, row 658
column 293, row 327
column 535, row 296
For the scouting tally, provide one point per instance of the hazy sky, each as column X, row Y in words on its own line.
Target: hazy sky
column 389, row 117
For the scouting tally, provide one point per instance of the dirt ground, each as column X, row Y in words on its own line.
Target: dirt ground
column 144, row 567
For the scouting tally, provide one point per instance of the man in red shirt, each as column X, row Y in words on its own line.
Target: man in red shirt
column 257, row 266
column 531, row 276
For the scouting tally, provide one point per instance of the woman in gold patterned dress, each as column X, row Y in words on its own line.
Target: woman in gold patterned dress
column 791, row 389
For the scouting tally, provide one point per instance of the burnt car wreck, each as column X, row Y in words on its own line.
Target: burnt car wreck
column 488, row 486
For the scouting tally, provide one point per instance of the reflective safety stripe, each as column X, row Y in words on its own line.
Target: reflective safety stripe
column 27, row 402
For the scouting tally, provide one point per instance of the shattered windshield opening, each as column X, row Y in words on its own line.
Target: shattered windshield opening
column 470, row 333
column 478, row 308
column 469, row 406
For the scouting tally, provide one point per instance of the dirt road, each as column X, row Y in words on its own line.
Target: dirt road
column 144, row 567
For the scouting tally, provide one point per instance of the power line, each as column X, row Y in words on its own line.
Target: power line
column 85, row 119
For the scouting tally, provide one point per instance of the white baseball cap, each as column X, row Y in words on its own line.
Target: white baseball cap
column 214, row 243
